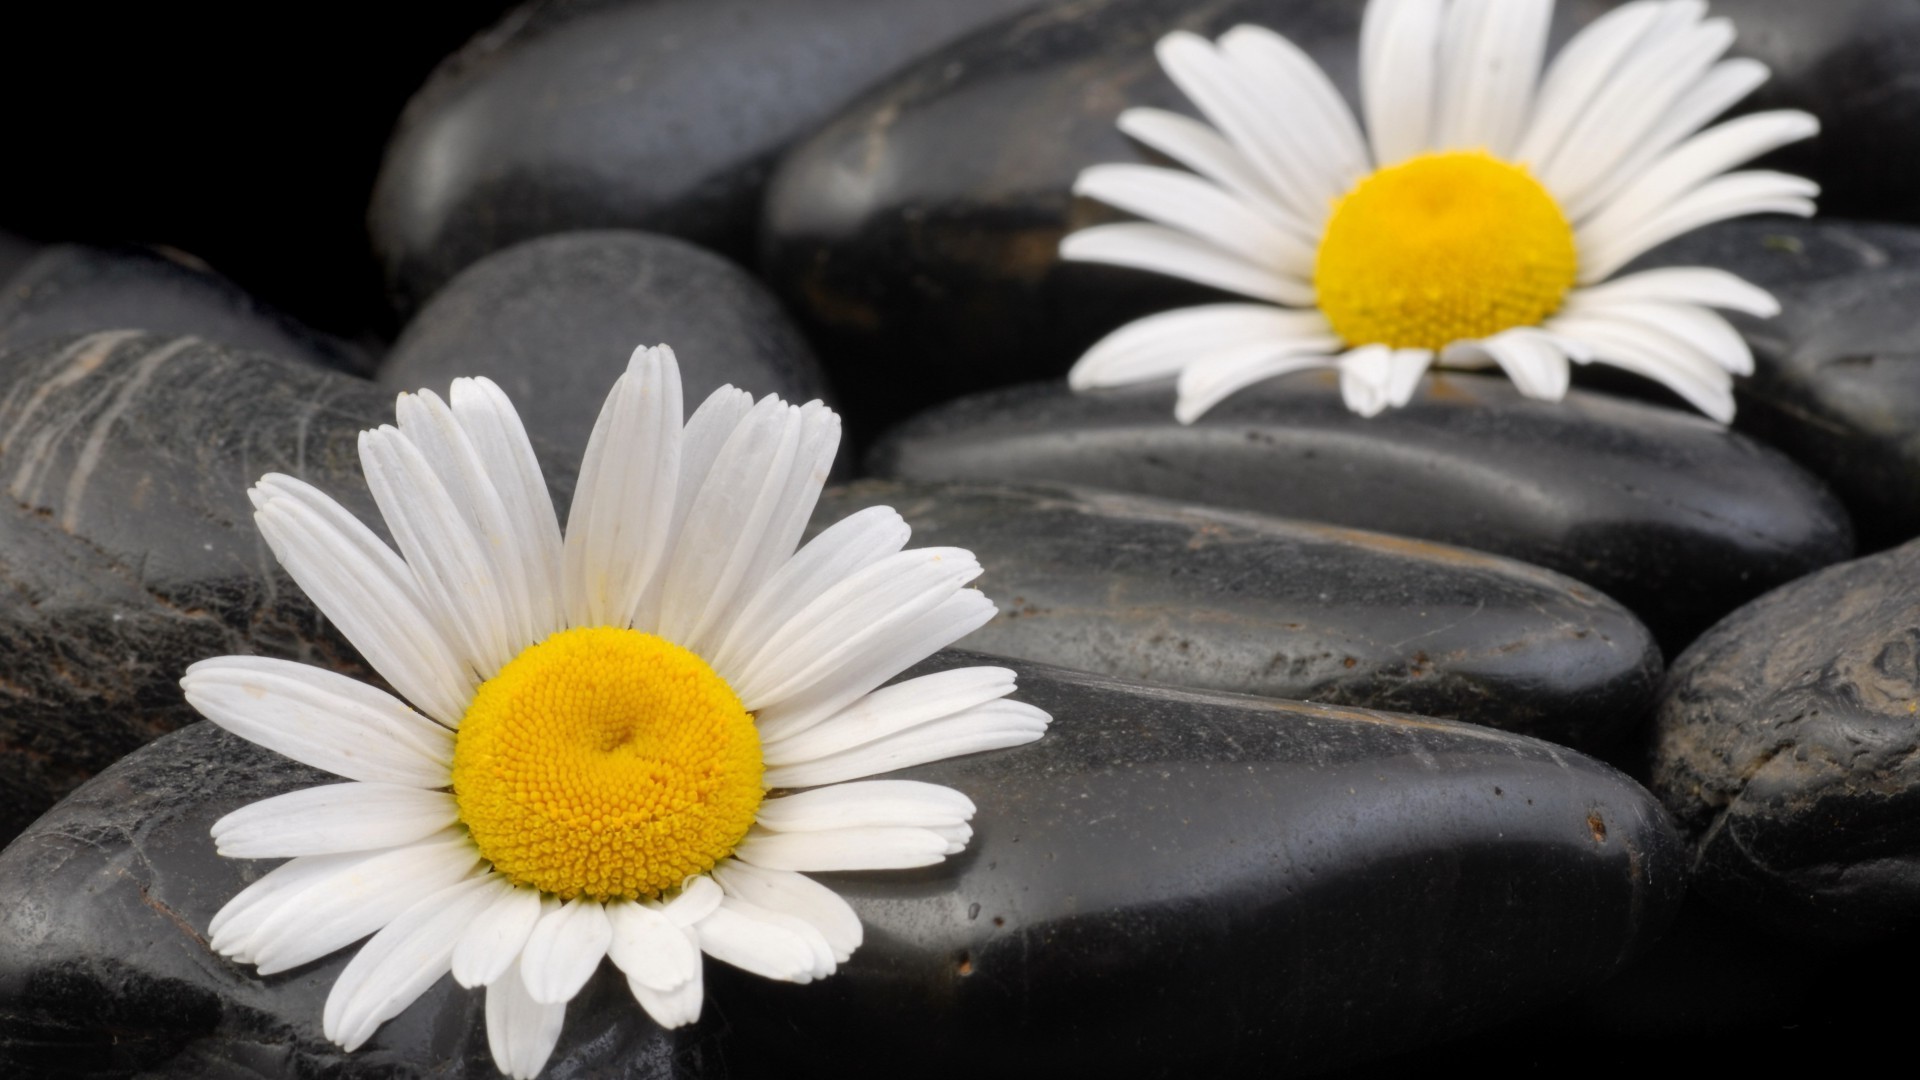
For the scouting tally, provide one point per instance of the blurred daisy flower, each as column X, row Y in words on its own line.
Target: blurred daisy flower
column 591, row 723
column 1478, row 220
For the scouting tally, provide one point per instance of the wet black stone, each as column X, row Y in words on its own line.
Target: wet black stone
column 554, row 321
column 71, row 289
column 127, row 544
column 579, row 114
column 1666, row 512
column 924, row 220
column 1168, row 881
column 1789, row 749
column 1189, row 596
column 105, row 971
column 1837, row 372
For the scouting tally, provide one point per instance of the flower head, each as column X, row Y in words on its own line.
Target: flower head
column 592, row 722
column 1476, row 221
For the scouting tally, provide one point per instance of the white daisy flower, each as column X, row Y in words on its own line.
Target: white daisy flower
column 591, row 724
column 1476, row 221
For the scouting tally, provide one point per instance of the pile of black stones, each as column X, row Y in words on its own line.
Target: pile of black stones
column 1487, row 732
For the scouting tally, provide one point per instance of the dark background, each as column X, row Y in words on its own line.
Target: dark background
column 245, row 135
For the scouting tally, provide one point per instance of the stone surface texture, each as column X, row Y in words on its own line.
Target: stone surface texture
column 665, row 115
column 1183, row 595
column 554, row 321
column 1668, row 513
column 1168, row 881
column 1788, row 747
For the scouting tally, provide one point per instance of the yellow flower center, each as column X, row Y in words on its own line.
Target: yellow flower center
column 1440, row 248
column 606, row 762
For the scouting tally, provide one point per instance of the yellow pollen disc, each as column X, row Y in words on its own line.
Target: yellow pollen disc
column 1441, row 248
column 606, row 762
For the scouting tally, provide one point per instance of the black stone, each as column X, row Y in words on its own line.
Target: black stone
column 1169, row 881
column 70, row 289
column 1668, row 513
column 1189, row 596
column 554, row 321
column 664, row 116
column 127, row 544
column 924, row 220
column 1787, row 745
column 1837, row 372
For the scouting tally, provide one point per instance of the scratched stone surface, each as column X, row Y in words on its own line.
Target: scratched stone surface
column 1788, row 746
column 71, row 289
column 1171, row 882
column 1186, row 595
column 127, row 546
column 1667, row 512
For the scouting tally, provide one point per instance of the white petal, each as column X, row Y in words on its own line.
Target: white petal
column 619, row 529
column 697, row 898
column 1214, row 378
column 232, row 927
column 322, row 719
column 1200, row 148
column 1192, row 205
column 1581, row 69
column 564, row 949
column 1703, row 157
column 1719, row 90
column 400, row 962
column 1730, row 196
column 1252, row 122
column 352, row 900
column 1683, row 285
column 653, row 950
column 673, row 1008
column 1365, row 377
column 1399, row 69
column 844, row 548
column 1323, row 137
column 753, row 945
column 1695, row 378
column 993, row 726
column 1176, row 254
column 1490, row 54
column 866, row 803
column 497, row 435
column 707, row 431
column 903, row 705
column 746, row 519
column 333, row 818
column 1632, row 104
column 521, row 1032
column 454, row 571
column 365, row 590
column 820, row 952
column 1537, row 368
column 430, row 425
column 1161, row 345
column 492, row 944
column 797, row 896
column 872, row 848
column 1405, row 369
column 850, row 619
column 1705, row 331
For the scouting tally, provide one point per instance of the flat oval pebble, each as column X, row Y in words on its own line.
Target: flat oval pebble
column 1837, row 373
column 1168, row 881
column 1668, row 513
column 663, row 115
column 127, row 544
column 554, row 321
column 1788, row 746
column 924, row 220
column 1183, row 595
column 72, row 289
